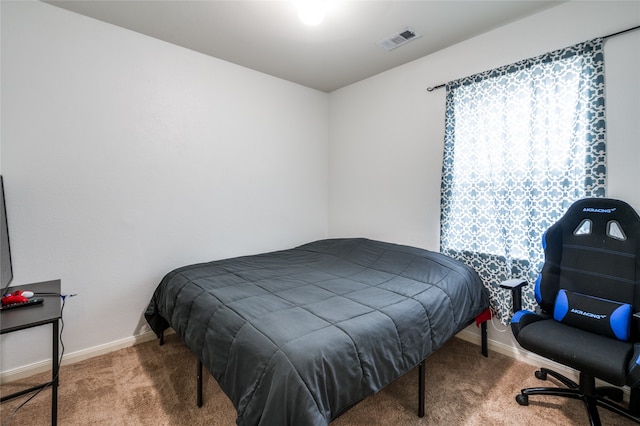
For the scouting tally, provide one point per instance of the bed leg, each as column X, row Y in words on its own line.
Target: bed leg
column 162, row 338
column 199, row 384
column 421, row 374
column 483, row 333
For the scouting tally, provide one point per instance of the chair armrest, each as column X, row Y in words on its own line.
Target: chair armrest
column 515, row 285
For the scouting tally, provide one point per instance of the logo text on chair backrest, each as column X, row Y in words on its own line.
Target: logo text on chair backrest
column 593, row 210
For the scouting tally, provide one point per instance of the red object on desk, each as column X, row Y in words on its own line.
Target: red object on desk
column 13, row 298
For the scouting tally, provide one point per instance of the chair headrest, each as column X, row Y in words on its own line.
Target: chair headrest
column 603, row 217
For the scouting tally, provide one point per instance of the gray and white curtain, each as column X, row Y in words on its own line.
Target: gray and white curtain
column 522, row 143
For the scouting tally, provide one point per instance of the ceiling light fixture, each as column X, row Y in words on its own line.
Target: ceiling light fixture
column 311, row 12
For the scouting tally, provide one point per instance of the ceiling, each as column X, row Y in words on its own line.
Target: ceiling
column 267, row 36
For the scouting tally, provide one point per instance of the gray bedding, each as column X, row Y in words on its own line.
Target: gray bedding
column 296, row 337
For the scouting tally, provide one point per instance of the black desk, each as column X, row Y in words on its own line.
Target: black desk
column 49, row 312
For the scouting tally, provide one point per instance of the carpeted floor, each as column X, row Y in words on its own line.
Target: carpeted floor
column 154, row 385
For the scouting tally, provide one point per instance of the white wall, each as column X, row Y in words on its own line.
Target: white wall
column 387, row 132
column 124, row 157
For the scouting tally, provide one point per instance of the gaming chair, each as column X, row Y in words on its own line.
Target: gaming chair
column 589, row 296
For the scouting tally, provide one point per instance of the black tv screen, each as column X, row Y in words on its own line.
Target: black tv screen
column 6, row 274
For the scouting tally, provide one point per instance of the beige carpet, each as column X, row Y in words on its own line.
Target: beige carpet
column 154, row 385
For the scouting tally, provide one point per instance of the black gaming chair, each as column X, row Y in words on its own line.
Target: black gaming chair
column 589, row 296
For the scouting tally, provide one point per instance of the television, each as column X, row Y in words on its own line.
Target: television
column 6, row 273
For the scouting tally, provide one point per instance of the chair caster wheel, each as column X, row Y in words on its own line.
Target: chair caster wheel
column 541, row 375
column 522, row 399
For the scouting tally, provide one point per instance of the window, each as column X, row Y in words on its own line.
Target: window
column 522, row 143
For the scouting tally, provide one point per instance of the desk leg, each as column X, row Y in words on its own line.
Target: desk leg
column 54, row 374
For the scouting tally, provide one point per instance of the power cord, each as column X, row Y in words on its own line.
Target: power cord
column 55, row 379
column 496, row 328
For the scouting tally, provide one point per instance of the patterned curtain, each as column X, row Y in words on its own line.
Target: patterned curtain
column 522, row 143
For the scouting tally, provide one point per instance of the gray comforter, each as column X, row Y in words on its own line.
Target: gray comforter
column 296, row 337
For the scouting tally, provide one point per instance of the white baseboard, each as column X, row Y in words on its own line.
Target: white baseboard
column 469, row 336
column 518, row 354
column 73, row 357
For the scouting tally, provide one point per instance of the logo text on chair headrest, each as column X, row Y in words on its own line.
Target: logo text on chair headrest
column 592, row 210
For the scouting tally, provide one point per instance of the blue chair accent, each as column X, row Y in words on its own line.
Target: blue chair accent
column 562, row 306
column 536, row 290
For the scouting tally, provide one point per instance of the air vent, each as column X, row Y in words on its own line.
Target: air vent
column 398, row 39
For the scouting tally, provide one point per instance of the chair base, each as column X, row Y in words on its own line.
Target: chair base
column 586, row 391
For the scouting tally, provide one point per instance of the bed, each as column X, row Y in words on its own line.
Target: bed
column 298, row 336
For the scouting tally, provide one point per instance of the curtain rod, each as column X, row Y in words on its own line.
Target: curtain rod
column 622, row 32
column 431, row 89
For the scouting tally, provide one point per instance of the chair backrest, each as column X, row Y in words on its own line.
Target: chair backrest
column 594, row 250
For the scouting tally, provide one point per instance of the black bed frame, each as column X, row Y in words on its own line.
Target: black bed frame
column 421, row 371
